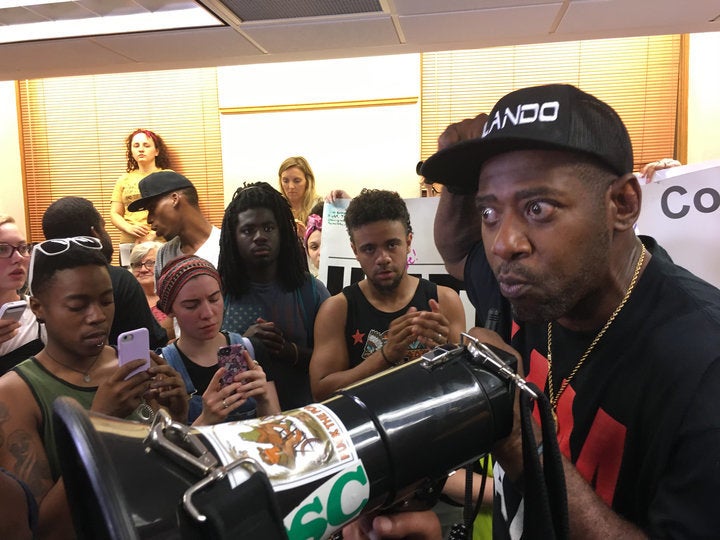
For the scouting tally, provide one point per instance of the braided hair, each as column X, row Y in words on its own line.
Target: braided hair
column 291, row 261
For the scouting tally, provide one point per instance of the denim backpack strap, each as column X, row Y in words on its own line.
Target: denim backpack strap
column 171, row 354
column 237, row 338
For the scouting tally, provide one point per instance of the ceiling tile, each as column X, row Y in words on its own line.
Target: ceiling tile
column 19, row 15
column 19, row 60
column 157, row 48
column 648, row 14
column 420, row 7
column 489, row 25
column 252, row 10
column 105, row 8
column 62, row 11
column 317, row 35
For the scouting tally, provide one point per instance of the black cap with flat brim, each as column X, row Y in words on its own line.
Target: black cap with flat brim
column 156, row 184
column 551, row 117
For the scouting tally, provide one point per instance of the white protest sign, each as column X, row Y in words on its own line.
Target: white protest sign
column 681, row 210
column 339, row 268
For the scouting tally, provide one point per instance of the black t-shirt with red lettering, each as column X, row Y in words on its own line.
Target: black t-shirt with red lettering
column 641, row 418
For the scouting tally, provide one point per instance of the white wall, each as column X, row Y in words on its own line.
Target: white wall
column 348, row 148
column 703, row 100
column 12, row 201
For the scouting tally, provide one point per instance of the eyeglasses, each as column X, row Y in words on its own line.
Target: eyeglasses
column 149, row 265
column 56, row 246
column 7, row 250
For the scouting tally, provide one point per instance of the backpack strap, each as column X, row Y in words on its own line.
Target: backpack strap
column 234, row 337
column 171, row 354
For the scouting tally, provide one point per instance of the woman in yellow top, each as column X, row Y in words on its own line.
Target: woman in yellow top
column 146, row 153
column 297, row 184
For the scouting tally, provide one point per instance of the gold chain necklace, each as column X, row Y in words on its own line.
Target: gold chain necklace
column 554, row 398
column 85, row 374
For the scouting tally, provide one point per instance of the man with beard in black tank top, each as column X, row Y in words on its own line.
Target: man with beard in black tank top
column 387, row 318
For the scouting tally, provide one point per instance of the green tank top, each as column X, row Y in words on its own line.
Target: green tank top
column 45, row 388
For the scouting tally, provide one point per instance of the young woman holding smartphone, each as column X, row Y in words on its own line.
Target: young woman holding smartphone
column 21, row 335
column 189, row 289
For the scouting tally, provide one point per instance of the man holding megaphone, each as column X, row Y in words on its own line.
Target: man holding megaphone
column 537, row 216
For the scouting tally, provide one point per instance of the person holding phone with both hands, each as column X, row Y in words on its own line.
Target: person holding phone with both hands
column 72, row 294
column 189, row 289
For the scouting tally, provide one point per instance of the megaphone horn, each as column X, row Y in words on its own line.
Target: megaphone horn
column 301, row 474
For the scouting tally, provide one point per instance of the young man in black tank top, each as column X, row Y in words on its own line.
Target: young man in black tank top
column 390, row 316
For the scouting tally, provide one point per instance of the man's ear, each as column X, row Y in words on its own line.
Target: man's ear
column 625, row 201
column 94, row 233
column 37, row 308
column 352, row 245
column 409, row 241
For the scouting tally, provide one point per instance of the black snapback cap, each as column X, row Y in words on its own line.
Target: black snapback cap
column 158, row 183
column 551, row 117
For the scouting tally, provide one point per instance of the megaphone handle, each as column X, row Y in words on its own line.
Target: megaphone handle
column 215, row 475
column 494, row 363
column 204, row 483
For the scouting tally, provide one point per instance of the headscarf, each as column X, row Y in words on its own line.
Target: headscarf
column 314, row 223
column 176, row 274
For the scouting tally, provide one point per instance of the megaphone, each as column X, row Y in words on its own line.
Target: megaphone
column 378, row 444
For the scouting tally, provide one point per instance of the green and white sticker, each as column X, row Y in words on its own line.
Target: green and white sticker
column 334, row 503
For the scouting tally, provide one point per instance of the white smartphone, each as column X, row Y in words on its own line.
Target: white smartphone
column 13, row 310
column 133, row 345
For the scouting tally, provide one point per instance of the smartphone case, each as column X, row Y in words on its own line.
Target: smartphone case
column 133, row 345
column 231, row 357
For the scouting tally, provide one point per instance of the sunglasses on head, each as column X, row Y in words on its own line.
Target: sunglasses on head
column 56, row 246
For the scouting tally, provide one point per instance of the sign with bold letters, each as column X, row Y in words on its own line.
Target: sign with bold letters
column 681, row 210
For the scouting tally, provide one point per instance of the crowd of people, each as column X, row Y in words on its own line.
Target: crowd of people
column 536, row 218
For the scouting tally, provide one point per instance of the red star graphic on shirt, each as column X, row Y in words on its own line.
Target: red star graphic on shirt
column 357, row 337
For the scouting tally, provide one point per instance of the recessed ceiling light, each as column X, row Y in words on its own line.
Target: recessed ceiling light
column 189, row 17
column 25, row 3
